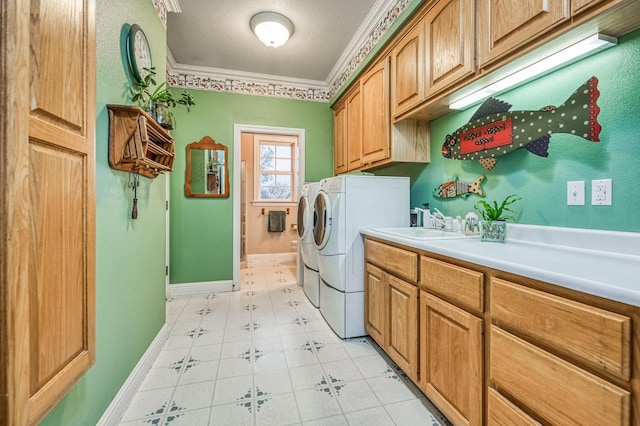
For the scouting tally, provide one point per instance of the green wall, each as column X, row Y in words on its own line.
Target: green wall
column 130, row 254
column 201, row 229
column 542, row 182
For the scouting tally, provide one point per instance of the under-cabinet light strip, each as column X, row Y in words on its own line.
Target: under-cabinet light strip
column 566, row 56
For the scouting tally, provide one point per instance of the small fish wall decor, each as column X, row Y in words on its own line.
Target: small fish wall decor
column 494, row 130
column 454, row 188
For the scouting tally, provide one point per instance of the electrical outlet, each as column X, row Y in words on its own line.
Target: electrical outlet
column 601, row 192
column 575, row 193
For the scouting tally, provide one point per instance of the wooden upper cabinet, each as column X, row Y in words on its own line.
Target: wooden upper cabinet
column 374, row 86
column 354, row 129
column 407, row 71
column 450, row 44
column 505, row 25
column 340, row 138
column 580, row 6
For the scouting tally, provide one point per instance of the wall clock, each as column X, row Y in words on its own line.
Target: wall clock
column 138, row 53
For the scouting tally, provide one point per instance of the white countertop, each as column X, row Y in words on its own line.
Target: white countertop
column 601, row 263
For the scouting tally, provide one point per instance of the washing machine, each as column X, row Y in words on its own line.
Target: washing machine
column 306, row 246
column 344, row 205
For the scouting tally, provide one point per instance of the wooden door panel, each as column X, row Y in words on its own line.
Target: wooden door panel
column 450, row 43
column 451, row 359
column 340, row 139
column 354, row 130
column 504, row 25
column 407, row 64
column 375, row 306
column 375, row 113
column 58, row 34
column 58, row 261
column 402, row 340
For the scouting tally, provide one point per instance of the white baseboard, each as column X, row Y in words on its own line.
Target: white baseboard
column 201, row 287
column 272, row 257
column 120, row 402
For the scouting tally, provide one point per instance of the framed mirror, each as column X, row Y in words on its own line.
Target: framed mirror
column 207, row 173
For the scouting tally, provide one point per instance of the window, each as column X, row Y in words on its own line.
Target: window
column 275, row 168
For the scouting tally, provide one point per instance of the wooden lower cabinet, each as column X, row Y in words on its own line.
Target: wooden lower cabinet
column 375, row 304
column 391, row 317
column 451, row 359
column 402, row 340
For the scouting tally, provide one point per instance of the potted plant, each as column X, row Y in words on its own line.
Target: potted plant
column 493, row 225
column 159, row 102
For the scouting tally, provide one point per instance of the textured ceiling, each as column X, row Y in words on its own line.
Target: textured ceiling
column 216, row 34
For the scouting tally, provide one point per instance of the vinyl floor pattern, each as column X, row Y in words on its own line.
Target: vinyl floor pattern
column 264, row 355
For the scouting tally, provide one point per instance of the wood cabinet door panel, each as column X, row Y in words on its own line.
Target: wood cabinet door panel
column 407, row 71
column 579, row 6
column 599, row 338
column 354, row 129
column 402, row 340
column 504, row 25
column 559, row 392
column 374, row 86
column 375, row 310
column 340, row 139
column 450, row 41
column 451, row 359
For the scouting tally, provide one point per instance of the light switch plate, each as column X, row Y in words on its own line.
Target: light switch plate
column 601, row 192
column 575, row 193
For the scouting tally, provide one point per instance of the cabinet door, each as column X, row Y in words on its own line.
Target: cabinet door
column 47, row 300
column 450, row 41
column 505, row 25
column 354, row 129
column 407, row 71
column 375, row 309
column 451, row 359
column 580, row 6
column 402, row 333
column 340, row 139
column 374, row 86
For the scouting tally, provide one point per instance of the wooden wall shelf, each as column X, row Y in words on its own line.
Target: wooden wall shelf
column 138, row 143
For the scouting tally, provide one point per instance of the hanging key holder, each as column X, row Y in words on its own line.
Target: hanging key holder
column 134, row 182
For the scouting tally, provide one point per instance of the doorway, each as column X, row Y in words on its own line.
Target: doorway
column 238, row 130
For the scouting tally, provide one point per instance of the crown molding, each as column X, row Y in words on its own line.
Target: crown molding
column 172, row 6
column 376, row 24
column 374, row 16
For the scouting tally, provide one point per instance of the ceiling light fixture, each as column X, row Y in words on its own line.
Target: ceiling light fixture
column 554, row 61
column 271, row 28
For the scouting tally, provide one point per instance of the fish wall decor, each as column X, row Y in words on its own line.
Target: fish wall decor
column 454, row 188
column 494, row 130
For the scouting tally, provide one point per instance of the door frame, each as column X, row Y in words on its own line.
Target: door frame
column 238, row 129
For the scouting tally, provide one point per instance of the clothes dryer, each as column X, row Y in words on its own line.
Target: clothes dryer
column 344, row 205
column 308, row 250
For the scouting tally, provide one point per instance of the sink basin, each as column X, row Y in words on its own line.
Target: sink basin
column 422, row 233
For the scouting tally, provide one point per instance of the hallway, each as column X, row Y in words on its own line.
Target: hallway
column 264, row 355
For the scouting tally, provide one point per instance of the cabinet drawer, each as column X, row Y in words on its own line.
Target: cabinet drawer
column 559, row 392
column 504, row 413
column 599, row 338
column 456, row 283
column 400, row 262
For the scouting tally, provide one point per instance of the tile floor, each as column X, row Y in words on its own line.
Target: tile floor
column 265, row 356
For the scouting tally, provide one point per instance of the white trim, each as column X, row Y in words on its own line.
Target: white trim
column 185, row 289
column 374, row 16
column 172, row 6
column 116, row 409
column 167, row 227
column 238, row 129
